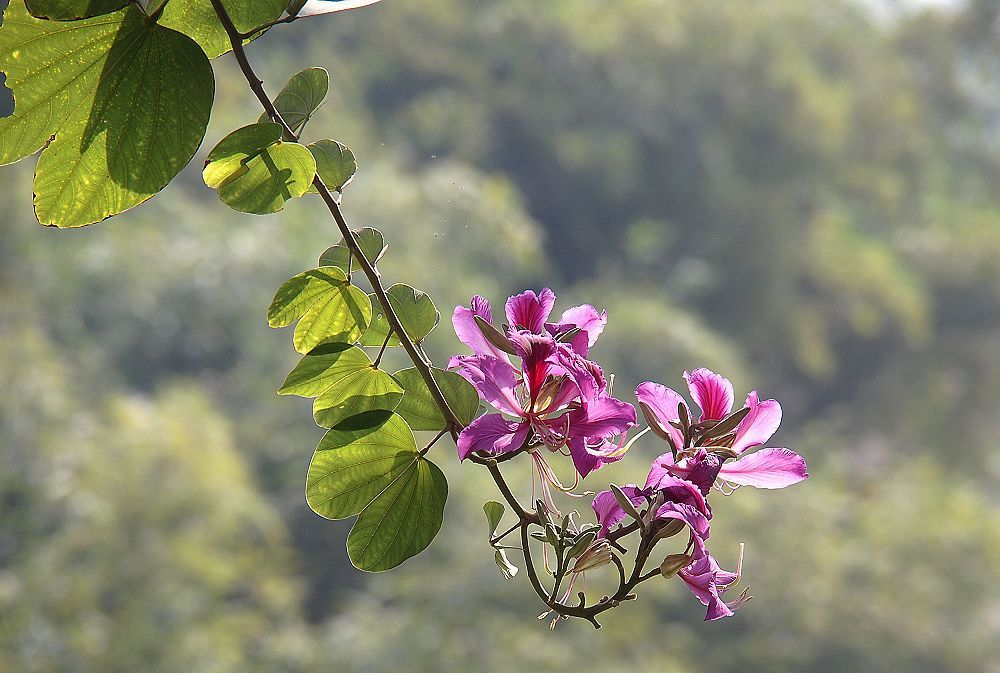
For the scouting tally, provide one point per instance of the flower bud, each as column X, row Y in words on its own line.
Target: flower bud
column 673, row 564
column 670, row 528
column 597, row 555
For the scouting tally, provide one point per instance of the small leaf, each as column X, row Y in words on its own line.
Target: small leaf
column 326, row 305
column 254, row 177
column 119, row 105
column 418, row 406
column 494, row 512
column 71, row 10
column 335, row 163
column 370, row 241
column 415, row 310
column 315, row 7
column 508, row 569
column 197, row 19
column 302, row 95
column 367, row 389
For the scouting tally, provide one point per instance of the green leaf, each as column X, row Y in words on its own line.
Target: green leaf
column 304, row 92
column 70, row 10
column 127, row 102
column 369, row 465
column 355, row 461
column 418, row 406
column 415, row 310
column 370, row 241
column 335, row 163
column 255, row 172
column 197, row 19
column 344, row 382
column 494, row 512
column 326, row 305
column 401, row 521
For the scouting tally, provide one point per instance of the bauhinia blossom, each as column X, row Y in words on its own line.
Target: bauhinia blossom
column 554, row 397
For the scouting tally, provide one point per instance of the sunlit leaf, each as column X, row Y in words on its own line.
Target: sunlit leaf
column 327, row 306
column 418, row 406
column 69, row 10
column 335, row 163
column 370, row 241
column 127, row 102
column 254, row 172
column 369, row 465
column 494, row 512
column 304, row 92
column 197, row 19
column 415, row 310
column 344, row 382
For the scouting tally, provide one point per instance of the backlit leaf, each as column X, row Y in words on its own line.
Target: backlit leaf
column 418, row 406
column 304, row 92
column 415, row 310
column 327, row 306
column 335, row 163
column 127, row 102
column 197, row 19
column 370, row 241
column 70, row 10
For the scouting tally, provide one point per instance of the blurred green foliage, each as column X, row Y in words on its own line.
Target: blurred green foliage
column 800, row 194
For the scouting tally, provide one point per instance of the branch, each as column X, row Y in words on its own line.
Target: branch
column 257, row 87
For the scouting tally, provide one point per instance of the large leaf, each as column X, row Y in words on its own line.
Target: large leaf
column 254, row 172
column 315, row 7
column 370, row 241
column 197, row 18
column 369, row 465
column 344, row 382
column 415, row 310
column 70, row 10
column 335, row 163
column 401, row 521
column 127, row 102
column 304, row 92
column 420, row 410
column 326, row 305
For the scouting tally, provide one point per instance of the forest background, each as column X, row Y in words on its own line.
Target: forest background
column 803, row 195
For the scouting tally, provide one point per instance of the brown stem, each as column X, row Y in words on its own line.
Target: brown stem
column 257, row 87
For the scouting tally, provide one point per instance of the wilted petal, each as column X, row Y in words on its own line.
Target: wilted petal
column 464, row 321
column 492, row 434
column 609, row 512
column 712, row 392
column 494, row 380
column 529, row 311
column 767, row 468
column 661, row 403
column 758, row 426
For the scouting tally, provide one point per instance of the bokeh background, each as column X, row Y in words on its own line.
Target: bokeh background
column 802, row 194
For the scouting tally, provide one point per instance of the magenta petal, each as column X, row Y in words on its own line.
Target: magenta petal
column 712, row 392
column 767, row 468
column 464, row 322
column 492, row 434
column 530, row 311
column 585, row 318
column 609, row 512
column 695, row 520
column 662, row 402
column 494, row 380
column 658, row 471
column 758, row 425
column 602, row 417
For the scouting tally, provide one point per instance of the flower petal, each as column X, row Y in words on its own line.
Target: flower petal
column 690, row 515
column 712, row 392
column 492, row 434
column 660, row 407
column 538, row 355
column 602, row 417
column 767, row 468
column 464, row 321
column 758, row 426
column 587, row 320
column 530, row 311
column 494, row 380
column 609, row 512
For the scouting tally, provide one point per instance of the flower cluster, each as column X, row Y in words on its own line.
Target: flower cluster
column 553, row 397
